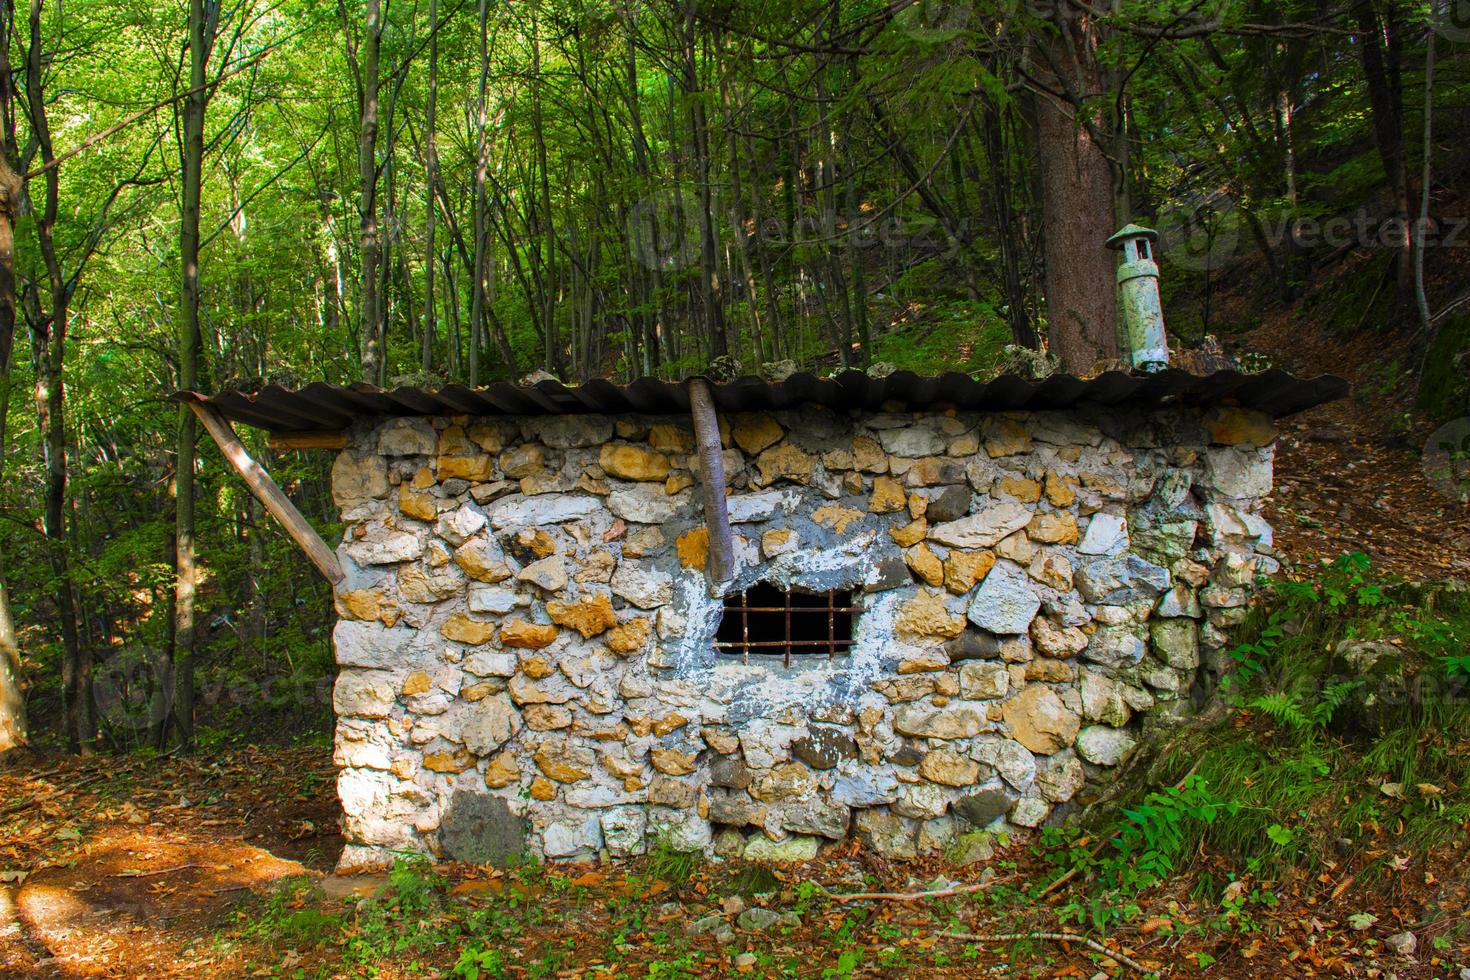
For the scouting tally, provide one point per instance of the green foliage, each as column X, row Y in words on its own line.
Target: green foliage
column 1444, row 386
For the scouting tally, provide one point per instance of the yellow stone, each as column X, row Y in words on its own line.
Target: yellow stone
column 909, row 534
column 918, row 505
column 836, row 517
column 1232, row 426
column 423, row 479
column 476, row 468
column 462, row 629
column 546, row 717
column 670, row 722
column 536, row 668
column 449, row 762
column 670, row 438
column 527, row 636
column 868, row 456
column 754, row 433
column 677, row 481
column 1022, row 489
column 361, row 604
column 417, row 683
column 560, row 765
column 626, row 461
column 502, row 770
column 1058, row 527
column 591, row 615
column 693, row 548
column 419, row 506
column 474, row 559
column 888, row 496
column 927, row 662
column 777, row 542
column 538, row 542
column 453, row 441
column 925, row 615
column 672, row 762
column 488, row 436
column 1007, row 437
column 964, row 569
column 1061, row 491
column 837, row 459
column 925, row 564
column 543, row 789
column 630, row 637
column 784, row 463
column 477, row 692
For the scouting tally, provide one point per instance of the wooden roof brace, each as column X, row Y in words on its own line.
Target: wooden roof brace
column 721, row 567
column 266, row 491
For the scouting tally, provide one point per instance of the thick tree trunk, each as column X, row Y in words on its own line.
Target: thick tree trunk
column 431, row 168
column 48, row 328
column 186, row 580
column 1077, row 209
column 12, row 699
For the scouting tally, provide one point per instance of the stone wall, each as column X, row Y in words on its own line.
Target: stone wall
column 526, row 627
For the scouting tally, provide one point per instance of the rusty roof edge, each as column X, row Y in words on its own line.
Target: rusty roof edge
column 1274, row 392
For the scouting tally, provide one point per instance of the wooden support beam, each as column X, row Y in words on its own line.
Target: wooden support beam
column 326, row 439
column 712, row 479
column 266, row 491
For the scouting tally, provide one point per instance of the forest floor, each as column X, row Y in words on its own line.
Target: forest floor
column 221, row 868
column 220, row 865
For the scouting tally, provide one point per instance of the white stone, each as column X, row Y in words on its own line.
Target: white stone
column 495, row 599
column 746, row 508
column 489, row 724
column 573, row 431
column 982, row 529
column 371, row 644
column 382, row 546
column 491, row 663
column 983, row 679
column 1104, row 745
column 642, row 585
column 1005, row 603
column 1030, row 811
column 566, row 838
column 407, row 437
column 1011, row 760
column 624, row 829
column 553, row 508
column 1106, row 534
column 1061, row 778
column 646, row 503
column 459, row 525
column 365, row 693
column 865, row 786
column 913, row 441
column 1239, row 472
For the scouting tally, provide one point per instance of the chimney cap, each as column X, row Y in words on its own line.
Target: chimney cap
column 1131, row 231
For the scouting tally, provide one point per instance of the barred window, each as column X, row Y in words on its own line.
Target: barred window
column 764, row 620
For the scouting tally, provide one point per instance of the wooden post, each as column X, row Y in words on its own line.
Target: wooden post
column 712, row 479
column 266, row 491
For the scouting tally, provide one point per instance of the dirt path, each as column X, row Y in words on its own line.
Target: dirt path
column 1349, row 475
column 131, row 869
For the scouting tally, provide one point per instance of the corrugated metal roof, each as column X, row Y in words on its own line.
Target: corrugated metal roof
column 324, row 406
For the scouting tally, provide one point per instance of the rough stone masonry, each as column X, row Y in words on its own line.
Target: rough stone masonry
column 526, row 633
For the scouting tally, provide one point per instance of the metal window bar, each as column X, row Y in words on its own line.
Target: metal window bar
column 739, row 603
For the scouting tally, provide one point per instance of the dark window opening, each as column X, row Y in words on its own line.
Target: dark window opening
column 764, row 620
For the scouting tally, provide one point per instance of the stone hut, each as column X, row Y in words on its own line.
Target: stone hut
column 895, row 608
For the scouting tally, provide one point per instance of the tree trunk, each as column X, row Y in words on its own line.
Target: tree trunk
column 370, row 335
column 1077, row 209
column 48, row 328
column 431, row 167
column 12, row 700
column 1379, row 43
column 186, row 580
